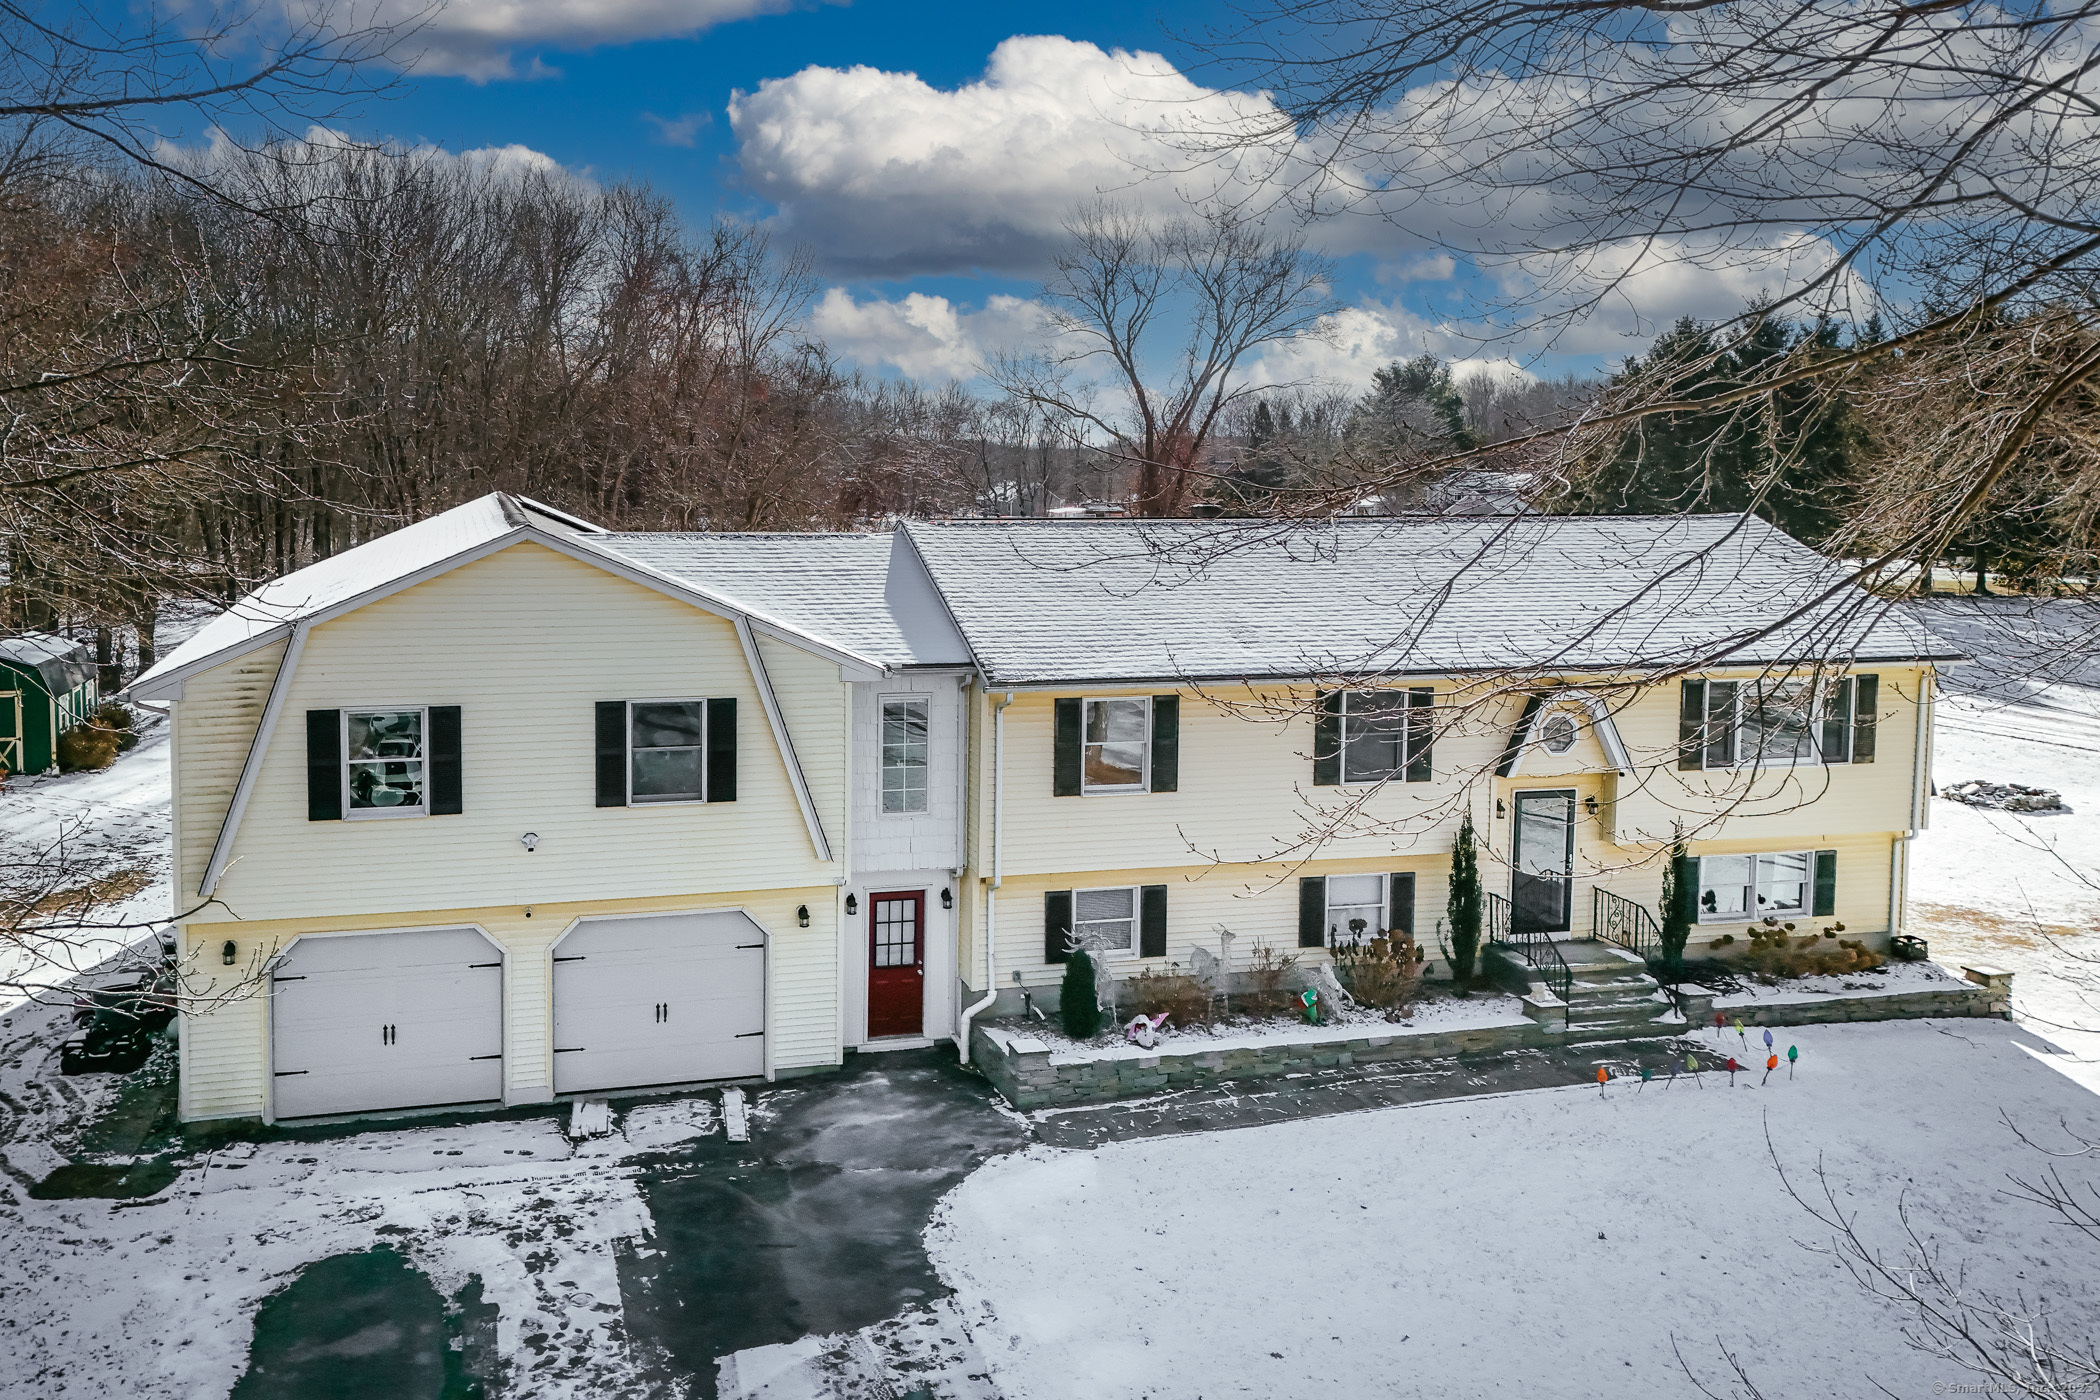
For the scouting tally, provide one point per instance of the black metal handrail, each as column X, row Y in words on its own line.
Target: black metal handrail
column 1616, row 919
column 1534, row 948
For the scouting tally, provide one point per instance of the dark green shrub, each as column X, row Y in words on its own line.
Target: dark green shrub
column 87, row 746
column 1077, row 1009
column 1464, row 904
column 1675, row 928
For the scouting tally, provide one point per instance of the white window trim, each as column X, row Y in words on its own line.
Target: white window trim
column 1407, row 737
column 881, row 792
column 1144, row 783
column 1817, row 712
column 1753, row 915
column 627, row 749
column 1574, row 732
column 1385, row 903
column 342, row 743
column 1137, row 919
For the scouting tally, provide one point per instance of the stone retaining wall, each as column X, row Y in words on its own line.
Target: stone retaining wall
column 1019, row 1065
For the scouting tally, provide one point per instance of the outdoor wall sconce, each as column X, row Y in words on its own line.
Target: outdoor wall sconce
column 947, row 898
column 852, row 905
column 530, row 841
column 228, row 952
column 802, row 915
column 1589, row 804
column 1500, row 810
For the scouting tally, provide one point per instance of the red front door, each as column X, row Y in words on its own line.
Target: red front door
column 897, row 964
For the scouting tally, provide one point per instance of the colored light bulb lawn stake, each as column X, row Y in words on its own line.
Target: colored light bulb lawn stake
column 1768, row 1040
column 1602, row 1075
column 1691, row 1062
column 1740, row 1036
column 1732, row 1067
column 1646, row 1075
column 1719, row 1021
column 1793, row 1053
column 1771, row 1063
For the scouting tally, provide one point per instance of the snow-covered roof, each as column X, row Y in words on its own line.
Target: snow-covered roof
column 422, row 550
column 867, row 592
column 1049, row 602
column 61, row 663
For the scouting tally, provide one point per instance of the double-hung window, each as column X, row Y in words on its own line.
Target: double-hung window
column 1356, row 906
column 904, row 754
column 383, row 763
column 1116, row 745
column 1374, row 735
column 1106, row 921
column 666, row 751
column 1735, row 888
column 1776, row 724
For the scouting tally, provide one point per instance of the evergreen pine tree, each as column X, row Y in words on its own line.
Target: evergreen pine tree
column 1077, row 1009
column 1463, row 905
column 1676, row 929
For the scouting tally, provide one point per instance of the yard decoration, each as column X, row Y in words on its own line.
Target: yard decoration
column 1078, row 1007
column 1311, row 997
column 1768, row 1038
column 1602, row 1075
column 1145, row 1029
column 1691, row 1062
column 1739, row 1033
column 1732, row 1068
column 1792, row 1054
column 1646, row 1075
column 1719, row 1021
column 1771, row 1063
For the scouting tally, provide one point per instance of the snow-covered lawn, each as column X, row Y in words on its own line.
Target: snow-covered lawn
column 1547, row 1242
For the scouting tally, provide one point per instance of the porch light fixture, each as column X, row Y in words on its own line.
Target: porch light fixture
column 228, row 952
column 1589, row 804
column 947, row 898
column 1500, row 810
column 802, row 915
column 852, row 905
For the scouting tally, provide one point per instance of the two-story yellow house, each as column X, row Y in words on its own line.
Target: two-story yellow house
column 503, row 806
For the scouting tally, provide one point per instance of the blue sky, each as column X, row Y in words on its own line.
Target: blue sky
column 926, row 154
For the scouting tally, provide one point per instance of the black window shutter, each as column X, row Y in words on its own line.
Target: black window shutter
column 1826, row 884
column 1166, row 743
column 612, row 753
column 721, row 750
column 324, row 765
column 1152, row 921
column 1691, row 725
column 1686, row 868
column 1312, row 911
column 1057, row 925
column 1064, row 760
column 447, row 793
column 1866, row 717
column 1327, row 742
column 1400, row 902
column 1421, row 732
column 1720, row 727
column 1837, row 723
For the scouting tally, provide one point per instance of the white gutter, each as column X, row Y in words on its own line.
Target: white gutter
column 991, row 897
column 1920, row 803
column 251, row 770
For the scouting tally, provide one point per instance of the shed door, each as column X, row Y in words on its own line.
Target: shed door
column 375, row 1021
column 659, row 999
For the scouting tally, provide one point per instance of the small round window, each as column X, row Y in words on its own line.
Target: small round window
column 1559, row 733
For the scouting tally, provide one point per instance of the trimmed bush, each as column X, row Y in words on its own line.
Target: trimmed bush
column 1272, row 983
column 1185, row 998
column 87, row 746
column 1077, row 1010
column 120, row 718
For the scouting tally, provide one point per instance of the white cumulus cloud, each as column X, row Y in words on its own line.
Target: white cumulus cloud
column 886, row 175
column 482, row 39
column 926, row 337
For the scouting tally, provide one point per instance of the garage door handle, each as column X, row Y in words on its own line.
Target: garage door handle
column 748, row 1034
column 497, row 1056
column 288, row 1073
column 472, row 966
column 300, row 978
column 574, row 958
column 741, row 946
column 567, row 1049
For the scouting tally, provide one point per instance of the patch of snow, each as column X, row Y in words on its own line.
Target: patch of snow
column 1431, row 1016
column 736, row 1122
column 1270, row 1261
column 1889, row 980
column 589, row 1118
column 659, row 1125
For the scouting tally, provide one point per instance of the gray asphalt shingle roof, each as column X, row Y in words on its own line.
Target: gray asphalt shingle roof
column 1044, row 602
column 848, row 589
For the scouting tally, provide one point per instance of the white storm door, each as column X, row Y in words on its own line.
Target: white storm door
column 659, row 999
column 365, row 1022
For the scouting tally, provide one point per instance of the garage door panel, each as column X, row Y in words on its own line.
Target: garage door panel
column 665, row 999
column 368, row 1022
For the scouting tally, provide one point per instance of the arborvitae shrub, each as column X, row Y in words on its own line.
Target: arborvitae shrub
column 1077, row 1009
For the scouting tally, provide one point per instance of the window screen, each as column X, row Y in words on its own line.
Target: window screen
column 1105, row 921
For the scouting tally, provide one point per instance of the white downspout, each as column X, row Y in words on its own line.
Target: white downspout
column 991, row 897
column 1920, row 803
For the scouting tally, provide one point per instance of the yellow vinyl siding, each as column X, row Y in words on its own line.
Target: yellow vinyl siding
column 525, row 642
column 225, row 1054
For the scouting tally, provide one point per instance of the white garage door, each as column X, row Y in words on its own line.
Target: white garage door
column 660, row 999
column 387, row 1020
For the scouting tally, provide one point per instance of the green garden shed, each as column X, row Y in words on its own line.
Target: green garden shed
column 47, row 685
